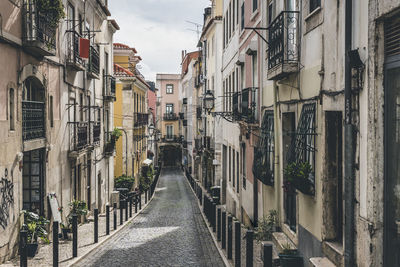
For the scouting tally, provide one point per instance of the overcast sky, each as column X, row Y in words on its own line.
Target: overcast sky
column 158, row 30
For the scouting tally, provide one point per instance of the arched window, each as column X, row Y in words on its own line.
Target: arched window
column 12, row 109
column 33, row 109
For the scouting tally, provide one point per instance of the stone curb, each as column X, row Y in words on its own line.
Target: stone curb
column 115, row 232
column 221, row 253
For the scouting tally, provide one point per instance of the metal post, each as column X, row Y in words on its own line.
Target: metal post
column 55, row 244
column 204, row 203
column 219, row 224
column 115, row 215
column 140, row 201
column 136, row 203
column 145, row 196
column 229, row 237
column 107, row 219
column 213, row 216
column 74, row 235
column 223, row 230
column 130, row 206
column 23, row 237
column 126, row 209
column 96, row 225
column 249, row 248
column 121, row 212
column 267, row 254
column 237, row 243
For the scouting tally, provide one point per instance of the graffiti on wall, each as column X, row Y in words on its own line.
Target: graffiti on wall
column 6, row 199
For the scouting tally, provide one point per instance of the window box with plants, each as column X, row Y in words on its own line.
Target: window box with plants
column 290, row 257
column 114, row 136
column 35, row 226
column 299, row 175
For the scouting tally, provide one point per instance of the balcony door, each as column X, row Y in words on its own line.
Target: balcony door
column 33, row 181
column 169, row 109
column 170, row 131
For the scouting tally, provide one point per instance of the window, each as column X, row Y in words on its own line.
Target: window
column 237, row 172
column 169, row 108
column 255, row 5
column 233, row 14
column 233, row 168
column 242, row 17
column 80, row 25
column 224, row 42
column 170, row 88
column 51, row 114
column 230, row 164
column 314, row 4
column 81, row 107
column 12, row 109
column 230, row 19
column 71, row 16
column 244, row 164
column 170, row 131
column 237, row 11
column 270, row 12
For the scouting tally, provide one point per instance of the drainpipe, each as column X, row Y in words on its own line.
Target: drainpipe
column 277, row 183
column 348, row 146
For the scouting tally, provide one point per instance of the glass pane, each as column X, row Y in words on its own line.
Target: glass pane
column 35, row 195
column 35, row 168
column 26, row 196
column 35, row 155
column 26, row 182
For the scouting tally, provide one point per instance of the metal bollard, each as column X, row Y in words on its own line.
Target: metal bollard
column 96, row 225
column 130, row 207
column 145, row 196
column 55, row 244
column 213, row 216
column 219, row 224
column 126, row 209
column 107, row 219
column 136, row 203
column 23, row 238
column 204, row 203
column 249, row 248
column 267, row 254
column 229, row 237
column 140, row 201
column 74, row 235
column 237, row 243
column 121, row 212
column 223, row 230
column 115, row 215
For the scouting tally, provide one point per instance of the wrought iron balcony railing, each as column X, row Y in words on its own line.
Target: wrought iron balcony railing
column 141, row 119
column 33, row 120
column 245, row 105
column 73, row 58
column 170, row 116
column 283, row 45
column 170, row 138
column 109, row 87
column 96, row 132
column 94, row 63
column 79, row 135
column 39, row 30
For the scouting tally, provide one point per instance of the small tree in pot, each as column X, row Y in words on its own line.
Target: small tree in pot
column 300, row 176
column 36, row 228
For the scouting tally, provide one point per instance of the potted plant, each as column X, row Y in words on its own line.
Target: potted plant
column 36, row 228
column 300, row 176
column 266, row 226
column 53, row 9
column 77, row 207
column 110, row 145
column 65, row 227
column 290, row 257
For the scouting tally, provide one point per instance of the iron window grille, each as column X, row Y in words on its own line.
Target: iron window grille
column 283, row 39
column 96, row 132
column 33, row 120
column 263, row 166
column 94, row 61
column 79, row 135
column 248, row 112
column 302, row 148
column 109, row 86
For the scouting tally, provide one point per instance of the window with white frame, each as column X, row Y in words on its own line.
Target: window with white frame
column 170, row 88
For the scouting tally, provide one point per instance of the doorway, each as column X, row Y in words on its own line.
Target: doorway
column 33, row 181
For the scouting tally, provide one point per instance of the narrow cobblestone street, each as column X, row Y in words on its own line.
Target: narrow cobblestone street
column 169, row 232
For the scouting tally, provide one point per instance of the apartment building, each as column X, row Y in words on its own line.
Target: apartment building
column 53, row 110
column 168, row 86
column 131, row 112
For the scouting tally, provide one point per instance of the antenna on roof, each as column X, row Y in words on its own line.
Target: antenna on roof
column 198, row 27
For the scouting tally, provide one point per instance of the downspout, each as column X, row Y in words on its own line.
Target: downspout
column 348, row 146
column 277, row 182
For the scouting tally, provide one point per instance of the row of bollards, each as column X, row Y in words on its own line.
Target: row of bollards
column 227, row 229
column 126, row 204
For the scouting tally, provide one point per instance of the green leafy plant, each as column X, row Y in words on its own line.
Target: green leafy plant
column 146, row 177
column 53, row 9
column 298, row 174
column 78, row 207
column 116, row 133
column 266, row 226
column 124, row 181
column 36, row 226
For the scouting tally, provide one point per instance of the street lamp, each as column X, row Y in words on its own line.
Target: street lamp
column 208, row 101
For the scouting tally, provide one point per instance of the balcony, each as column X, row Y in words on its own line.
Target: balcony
column 109, row 88
column 39, row 31
column 170, row 139
column 74, row 61
column 33, row 120
column 141, row 119
column 79, row 136
column 96, row 132
column 170, row 116
column 283, row 45
column 245, row 105
column 93, row 64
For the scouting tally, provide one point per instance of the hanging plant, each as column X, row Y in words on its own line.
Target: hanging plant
column 52, row 9
column 300, row 176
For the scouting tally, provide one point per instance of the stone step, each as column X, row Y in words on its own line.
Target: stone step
column 281, row 241
column 321, row 262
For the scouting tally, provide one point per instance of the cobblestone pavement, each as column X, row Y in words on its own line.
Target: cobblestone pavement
column 169, row 232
